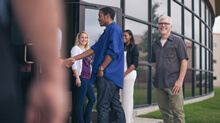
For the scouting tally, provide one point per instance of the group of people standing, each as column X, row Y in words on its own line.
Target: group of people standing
column 114, row 68
column 115, row 61
column 114, row 71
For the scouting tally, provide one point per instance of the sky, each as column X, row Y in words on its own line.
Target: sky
column 216, row 28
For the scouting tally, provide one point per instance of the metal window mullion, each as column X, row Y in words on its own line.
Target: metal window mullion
column 149, row 87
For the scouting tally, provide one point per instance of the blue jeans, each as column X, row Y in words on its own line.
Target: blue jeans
column 108, row 97
column 85, row 90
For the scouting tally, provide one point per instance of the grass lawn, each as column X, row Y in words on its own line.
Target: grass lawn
column 207, row 111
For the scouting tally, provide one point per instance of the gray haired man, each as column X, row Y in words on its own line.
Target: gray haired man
column 169, row 57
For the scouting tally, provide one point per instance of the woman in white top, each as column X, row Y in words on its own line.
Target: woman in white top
column 82, row 71
column 131, row 55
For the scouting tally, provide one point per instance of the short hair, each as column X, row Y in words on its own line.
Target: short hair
column 108, row 10
column 77, row 39
column 166, row 17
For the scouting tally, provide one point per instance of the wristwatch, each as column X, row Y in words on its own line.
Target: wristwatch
column 101, row 68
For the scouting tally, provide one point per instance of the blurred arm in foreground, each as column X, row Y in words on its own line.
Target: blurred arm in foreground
column 38, row 21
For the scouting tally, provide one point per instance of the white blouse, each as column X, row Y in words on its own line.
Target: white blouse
column 76, row 50
column 133, row 73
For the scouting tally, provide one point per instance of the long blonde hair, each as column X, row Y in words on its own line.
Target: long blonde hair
column 77, row 39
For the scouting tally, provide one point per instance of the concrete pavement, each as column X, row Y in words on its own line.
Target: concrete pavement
column 147, row 120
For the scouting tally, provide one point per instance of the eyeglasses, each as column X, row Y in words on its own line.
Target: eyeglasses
column 166, row 24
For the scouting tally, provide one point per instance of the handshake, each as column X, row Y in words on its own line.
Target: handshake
column 69, row 61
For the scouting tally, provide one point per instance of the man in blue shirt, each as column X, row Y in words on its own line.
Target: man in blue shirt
column 108, row 66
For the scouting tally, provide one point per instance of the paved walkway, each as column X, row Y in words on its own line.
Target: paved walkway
column 147, row 120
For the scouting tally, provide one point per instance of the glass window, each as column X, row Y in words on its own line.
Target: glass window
column 140, row 13
column 196, row 6
column 114, row 3
column 140, row 87
column 189, row 52
column 203, row 10
column 176, row 16
column 207, row 37
column 203, row 34
column 197, row 83
column 210, row 40
column 159, row 8
column 203, row 58
column 92, row 26
column 155, row 34
column 154, row 97
column 197, row 56
column 140, row 32
column 207, row 60
column 188, row 24
column 197, row 29
column 208, row 81
column 188, row 84
column 209, row 19
column 203, row 82
column 207, row 15
column 188, row 3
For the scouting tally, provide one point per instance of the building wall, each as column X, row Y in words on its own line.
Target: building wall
column 213, row 4
column 216, row 58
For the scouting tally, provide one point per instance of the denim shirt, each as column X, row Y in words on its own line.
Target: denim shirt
column 168, row 61
column 111, row 43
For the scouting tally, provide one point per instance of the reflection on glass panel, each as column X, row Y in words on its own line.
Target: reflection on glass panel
column 208, row 82
column 131, row 9
column 159, row 8
column 92, row 26
column 154, row 98
column 203, row 10
column 140, row 87
column 188, row 84
column 197, row 29
column 155, row 34
column 176, row 15
column 203, row 34
column 209, row 19
column 207, row 60
column 210, row 43
column 188, row 3
column 207, row 15
column 197, row 56
column 140, row 32
column 189, row 52
column 203, row 58
column 197, row 83
column 207, row 37
column 203, row 83
column 196, row 6
column 114, row 3
column 188, row 24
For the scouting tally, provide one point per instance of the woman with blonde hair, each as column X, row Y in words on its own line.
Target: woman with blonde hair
column 81, row 72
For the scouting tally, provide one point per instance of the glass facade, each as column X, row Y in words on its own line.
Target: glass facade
column 176, row 14
column 192, row 21
column 159, row 8
column 131, row 9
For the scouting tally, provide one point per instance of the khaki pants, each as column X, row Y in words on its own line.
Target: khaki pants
column 170, row 105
